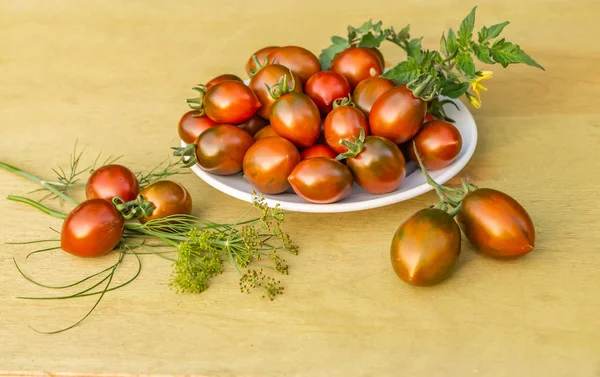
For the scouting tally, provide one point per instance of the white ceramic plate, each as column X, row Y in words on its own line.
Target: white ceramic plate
column 413, row 185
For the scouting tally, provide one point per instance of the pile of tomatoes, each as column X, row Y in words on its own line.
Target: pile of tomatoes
column 316, row 132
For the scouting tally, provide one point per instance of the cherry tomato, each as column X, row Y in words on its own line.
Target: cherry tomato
column 230, row 102
column 295, row 117
column 325, row 87
column 221, row 78
column 357, row 64
column 253, row 125
column 110, row 181
column 318, row 150
column 375, row 51
column 220, row 150
column 429, row 117
column 438, row 144
column 169, row 198
column 496, row 224
column 266, row 131
column 321, row 180
column 269, row 162
column 426, row 247
column 261, row 56
column 367, row 91
column 301, row 61
column 192, row 125
column 397, row 115
column 270, row 75
column 92, row 229
column 344, row 122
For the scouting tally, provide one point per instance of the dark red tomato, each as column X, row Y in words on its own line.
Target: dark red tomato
column 230, row 102
column 191, row 125
column 325, row 87
column 261, row 56
column 438, row 144
column 92, row 229
column 397, row 115
column 266, row 131
column 169, row 198
column 380, row 167
column 426, row 247
column 357, row 64
column 295, row 117
column 110, row 181
column 220, row 150
column 375, row 51
column 318, row 150
column 270, row 75
column 221, row 78
column 496, row 224
column 301, row 61
column 321, row 180
column 344, row 122
column 253, row 125
column 367, row 91
column 428, row 118
column 269, row 162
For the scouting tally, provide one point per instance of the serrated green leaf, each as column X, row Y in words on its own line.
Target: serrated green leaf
column 454, row 89
column 465, row 32
column 338, row 40
column 492, row 32
column 464, row 63
column 327, row 55
column 452, row 42
column 507, row 53
column 444, row 45
column 403, row 72
column 404, row 33
column 369, row 40
column 367, row 26
column 483, row 54
column 414, row 48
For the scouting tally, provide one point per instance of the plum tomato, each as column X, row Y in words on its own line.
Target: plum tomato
column 261, row 56
column 357, row 64
column 270, row 75
column 344, row 123
column 367, row 91
column 191, row 125
column 429, row 117
column 397, row 115
column 295, row 117
column 266, row 131
column 426, row 247
column 318, row 150
column 301, row 61
column 438, row 143
column 230, row 102
column 220, row 150
column 169, row 198
column 325, row 87
column 321, row 180
column 221, row 78
column 253, row 125
column 111, row 181
column 269, row 162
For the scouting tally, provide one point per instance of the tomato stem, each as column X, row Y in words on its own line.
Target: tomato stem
column 139, row 207
column 37, row 205
column 354, row 148
column 187, row 155
column 344, row 101
column 196, row 103
column 258, row 65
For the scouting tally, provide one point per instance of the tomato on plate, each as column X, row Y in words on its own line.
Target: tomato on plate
column 429, row 117
column 267, row 77
column 268, row 164
column 253, row 125
column 438, row 143
column 169, row 198
column 357, row 64
column 318, row 150
column 265, row 132
column 220, row 150
column 301, row 61
column 367, row 91
column 325, row 87
column 221, row 78
column 192, row 124
column 111, row 181
column 321, row 180
column 230, row 102
column 344, row 122
column 259, row 56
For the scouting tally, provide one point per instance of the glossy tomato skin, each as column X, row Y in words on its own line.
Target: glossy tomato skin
column 230, row 102
column 220, row 150
column 496, row 224
column 169, row 198
column 367, row 91
column 221, row 78
column 264, row 132
column 438, row 143
column 428, row 118
column 261, row 56
column 343, row 122
column 269, row 162
column 110, row 181
column 191, row 125
column 92, row 229
column 301, row 61
column 270, row 75
column 295, row 117
column 318, row 150
column 253, row 125
column 397, row 115
column 380, row 168
column 357, row 64
column 321, row 180
column 325, row 87
column 426, row 247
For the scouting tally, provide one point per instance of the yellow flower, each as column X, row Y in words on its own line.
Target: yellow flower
column 476, row 85
column 474, row 100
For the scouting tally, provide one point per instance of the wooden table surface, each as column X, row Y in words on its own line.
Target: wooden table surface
column 114, row 74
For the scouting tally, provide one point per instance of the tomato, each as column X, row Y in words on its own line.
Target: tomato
column 397, row 115
column 265, row 132
column 92, row 229
column 261, row 56
column 344, row 122
column 301, row 61
column 169, row 198
column 438, row 144
column 357, row 64
column 253, row 125
column 221, row 78
column 270, row 75
column 321, row 180
column 426, row 247
column 318, row 150
column 110, row 181
column 230, row 102
column 429, row 117
column 367, row 92
column 496, row 224
column 325, row 87
column 269, row 162
column 220, row 150
column 375, row 51
column 191, row 125
column 295, row 117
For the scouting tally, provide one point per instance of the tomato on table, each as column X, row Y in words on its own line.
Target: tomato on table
column 438, row 143
column 325, row 87
column 192, row 124
column 301, row 61
column 357, row 64
column 368, row 91
column 220, row 150
column 321, row 180
column 169, row 198
column 318, row 150
column 110, row 181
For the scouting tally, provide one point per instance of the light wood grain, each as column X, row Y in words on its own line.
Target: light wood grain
column 113, row 74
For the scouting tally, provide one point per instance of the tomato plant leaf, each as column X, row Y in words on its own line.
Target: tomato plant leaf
column 327, row 55
column 465, row 32
column 413, row 48
column 507, row 53
column 464, row 63
column 492, row 32
column 454, row 89
column 369, row 40
column 444, row 45
column 452, row 42
column 483, row 54
column 404, row 72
